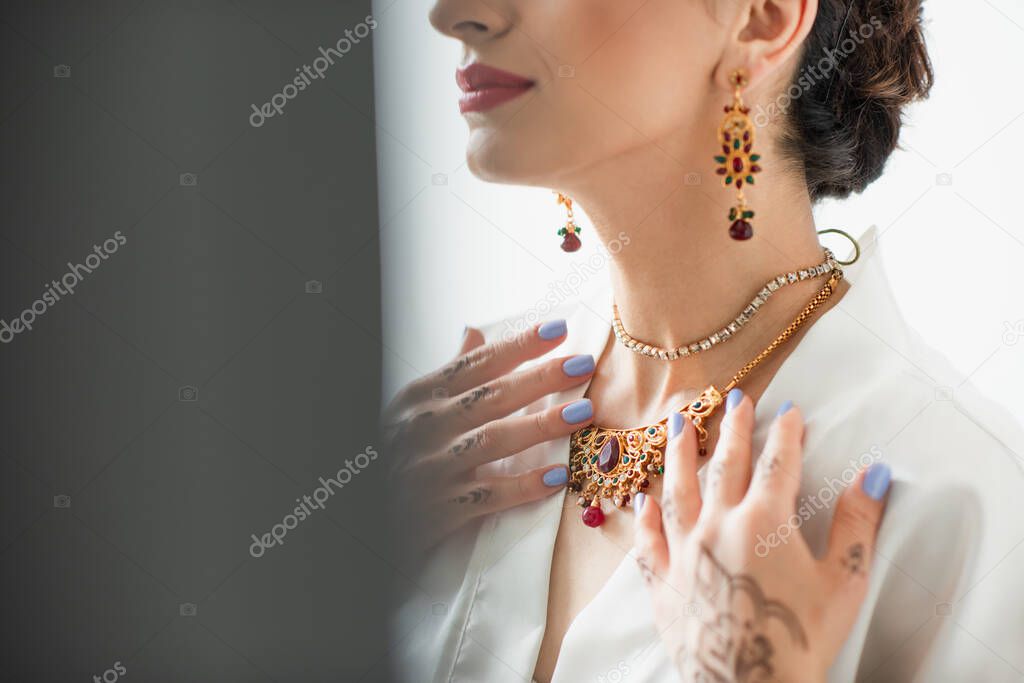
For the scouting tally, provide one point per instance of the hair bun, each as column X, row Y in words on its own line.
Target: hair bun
column 863, row 62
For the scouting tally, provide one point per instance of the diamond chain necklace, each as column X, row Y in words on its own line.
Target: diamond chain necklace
column 727, row 332
column 618, row 463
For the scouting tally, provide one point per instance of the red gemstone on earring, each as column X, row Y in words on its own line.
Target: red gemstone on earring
column 737, row 164
column 571, row 242
column 593, row 517
column 741, row 230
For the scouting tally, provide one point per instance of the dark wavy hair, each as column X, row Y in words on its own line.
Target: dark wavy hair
column 842, row 127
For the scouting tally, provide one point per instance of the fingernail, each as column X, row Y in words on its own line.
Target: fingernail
column 675, row 424
column 876, row 481
column 733, row 399
column 638, row 502
column 578, row 411
column 465, row 330
column 578, row 365
column 784, row 408
column 556, row 477
column 552, row 329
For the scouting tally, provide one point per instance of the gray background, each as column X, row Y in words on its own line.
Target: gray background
column 209, row 292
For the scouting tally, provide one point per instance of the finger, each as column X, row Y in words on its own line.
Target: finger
column 681, row 492
column 510, row 435
column 855, row 524
column 777, row 473
column 511, row 392
column 729, row 469
column 488, row 361
column 652, row 553
column 495, row 494
column 471, row 338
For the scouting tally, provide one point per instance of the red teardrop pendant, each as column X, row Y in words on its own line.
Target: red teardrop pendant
column 592, row 516
column 741, row 230
column 571, row 242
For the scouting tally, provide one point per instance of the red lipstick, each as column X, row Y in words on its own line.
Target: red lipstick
column 484, row 87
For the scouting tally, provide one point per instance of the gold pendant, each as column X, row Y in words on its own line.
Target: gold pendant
column 618, row 463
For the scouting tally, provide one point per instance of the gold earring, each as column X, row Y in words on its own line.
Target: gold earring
column 738, row 165
column 569, row 234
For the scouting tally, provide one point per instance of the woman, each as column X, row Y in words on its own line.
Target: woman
column 619, row 105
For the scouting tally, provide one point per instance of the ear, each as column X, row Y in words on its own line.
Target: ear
column 765, row 35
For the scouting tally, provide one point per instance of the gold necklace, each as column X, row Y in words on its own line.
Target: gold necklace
column 618, row 463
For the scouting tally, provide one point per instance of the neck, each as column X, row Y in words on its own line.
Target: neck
column 682, row 277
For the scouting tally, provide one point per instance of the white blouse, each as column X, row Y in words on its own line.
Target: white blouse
column 946, row 601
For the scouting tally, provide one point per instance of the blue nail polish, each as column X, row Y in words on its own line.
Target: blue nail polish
column 578, row 365
column 784, row 408
column 556, row 477
column 552, row 329
column 638, row 502
column 733, row 399
column 578, row 411
column 675, row 424
column 876, row 481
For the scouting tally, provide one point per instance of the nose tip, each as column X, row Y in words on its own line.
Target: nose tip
column 469, row 22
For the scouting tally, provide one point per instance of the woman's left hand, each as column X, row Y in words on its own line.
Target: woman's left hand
column 729, row 605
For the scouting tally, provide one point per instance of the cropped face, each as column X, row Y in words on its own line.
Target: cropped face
column 551, row 88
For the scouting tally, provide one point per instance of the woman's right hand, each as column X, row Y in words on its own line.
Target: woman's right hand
column 440, row 428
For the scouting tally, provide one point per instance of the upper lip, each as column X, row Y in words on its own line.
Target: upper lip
column 477, row 76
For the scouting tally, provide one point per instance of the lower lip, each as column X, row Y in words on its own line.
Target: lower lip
column 489, row 98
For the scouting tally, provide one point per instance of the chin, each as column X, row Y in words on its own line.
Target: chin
column 502, row 156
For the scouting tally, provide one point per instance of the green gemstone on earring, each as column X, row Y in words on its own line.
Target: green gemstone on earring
column 643, row 456
column 735, row 144
column 720, row 159
column 661, row 470
column 750, row 180
column 755, row 157
column 625, row 461
column 728, row 180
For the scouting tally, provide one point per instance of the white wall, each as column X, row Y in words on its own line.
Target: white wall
column 955, row 252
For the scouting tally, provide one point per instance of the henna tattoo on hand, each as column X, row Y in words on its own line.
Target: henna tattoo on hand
column 452, row 369
column 475, row 497
column 477, row 394
column 468, row 443
column 853, row 561
column 734, row 644
column 767, row 466
column 645, row 571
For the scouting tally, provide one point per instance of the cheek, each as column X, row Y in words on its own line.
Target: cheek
column 621, row 74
